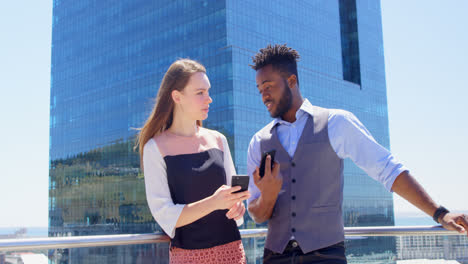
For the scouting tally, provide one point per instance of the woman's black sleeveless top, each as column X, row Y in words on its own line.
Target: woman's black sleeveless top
column 192, row 177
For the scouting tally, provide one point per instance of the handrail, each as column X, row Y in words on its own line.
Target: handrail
column 134, row 239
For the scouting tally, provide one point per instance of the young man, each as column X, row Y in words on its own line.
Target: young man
column 302, row 195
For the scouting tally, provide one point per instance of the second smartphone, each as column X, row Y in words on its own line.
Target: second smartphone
column 262, row 163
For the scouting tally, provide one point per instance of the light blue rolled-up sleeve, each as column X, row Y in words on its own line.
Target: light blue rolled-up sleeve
column 253, row 161
column 350, row 139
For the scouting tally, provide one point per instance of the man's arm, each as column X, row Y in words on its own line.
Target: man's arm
column 351, row 139
column 408, row 188
column 261, row 208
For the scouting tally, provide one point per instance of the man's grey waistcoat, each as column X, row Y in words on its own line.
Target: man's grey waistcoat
column 309, row 204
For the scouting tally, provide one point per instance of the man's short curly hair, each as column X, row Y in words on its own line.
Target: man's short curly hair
column 281, row 57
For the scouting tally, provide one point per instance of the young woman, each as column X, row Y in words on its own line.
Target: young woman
column 188, row 171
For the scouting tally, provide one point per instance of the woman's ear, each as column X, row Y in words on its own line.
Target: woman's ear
column 175, row 96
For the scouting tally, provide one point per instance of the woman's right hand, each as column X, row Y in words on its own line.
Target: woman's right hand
column 224, row 198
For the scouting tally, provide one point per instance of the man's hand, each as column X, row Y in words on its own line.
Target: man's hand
column 407, row 187
column 457, row 222
column 271, row 183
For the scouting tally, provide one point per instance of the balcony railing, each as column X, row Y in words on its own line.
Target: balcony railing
column 133, row 239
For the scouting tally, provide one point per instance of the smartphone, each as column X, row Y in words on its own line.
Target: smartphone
column 262, row 163
column 242, row 181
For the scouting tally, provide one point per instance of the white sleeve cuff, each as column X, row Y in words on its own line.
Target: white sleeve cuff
column 167, row 218
column 240, row 221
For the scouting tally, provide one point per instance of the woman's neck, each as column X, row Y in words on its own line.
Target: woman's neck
column 185, row 128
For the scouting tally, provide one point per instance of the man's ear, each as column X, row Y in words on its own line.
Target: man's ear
column 292, row 81
column 175, row 96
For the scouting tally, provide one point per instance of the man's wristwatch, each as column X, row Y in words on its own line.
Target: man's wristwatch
column 440, row 212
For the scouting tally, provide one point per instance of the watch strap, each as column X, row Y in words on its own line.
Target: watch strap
column 441, row 211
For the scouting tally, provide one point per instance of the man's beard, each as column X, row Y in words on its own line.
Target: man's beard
column 284, row 103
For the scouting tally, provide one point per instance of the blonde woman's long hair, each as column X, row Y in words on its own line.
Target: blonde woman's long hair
column 160, row 119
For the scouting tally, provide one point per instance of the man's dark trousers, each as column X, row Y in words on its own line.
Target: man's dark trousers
column 334, row 254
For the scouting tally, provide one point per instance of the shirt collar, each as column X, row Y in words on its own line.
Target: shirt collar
column 306, row 108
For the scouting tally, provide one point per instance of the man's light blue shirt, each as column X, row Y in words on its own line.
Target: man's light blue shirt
column 348, row 138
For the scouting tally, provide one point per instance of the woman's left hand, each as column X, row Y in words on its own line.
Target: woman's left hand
column 237, row 211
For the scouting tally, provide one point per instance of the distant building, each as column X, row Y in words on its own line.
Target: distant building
column 427, row 261
column 24, row 258
column 21, row 232
column 441, row 248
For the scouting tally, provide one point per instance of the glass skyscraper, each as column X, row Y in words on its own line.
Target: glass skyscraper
column 108, row 58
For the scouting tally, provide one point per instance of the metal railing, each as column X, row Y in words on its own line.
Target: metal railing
column 133, row 239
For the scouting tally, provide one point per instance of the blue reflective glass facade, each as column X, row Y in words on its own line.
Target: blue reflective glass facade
column 108, row 59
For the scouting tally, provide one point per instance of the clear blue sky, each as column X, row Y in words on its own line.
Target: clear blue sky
column 425, row 44
column 426, row 58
